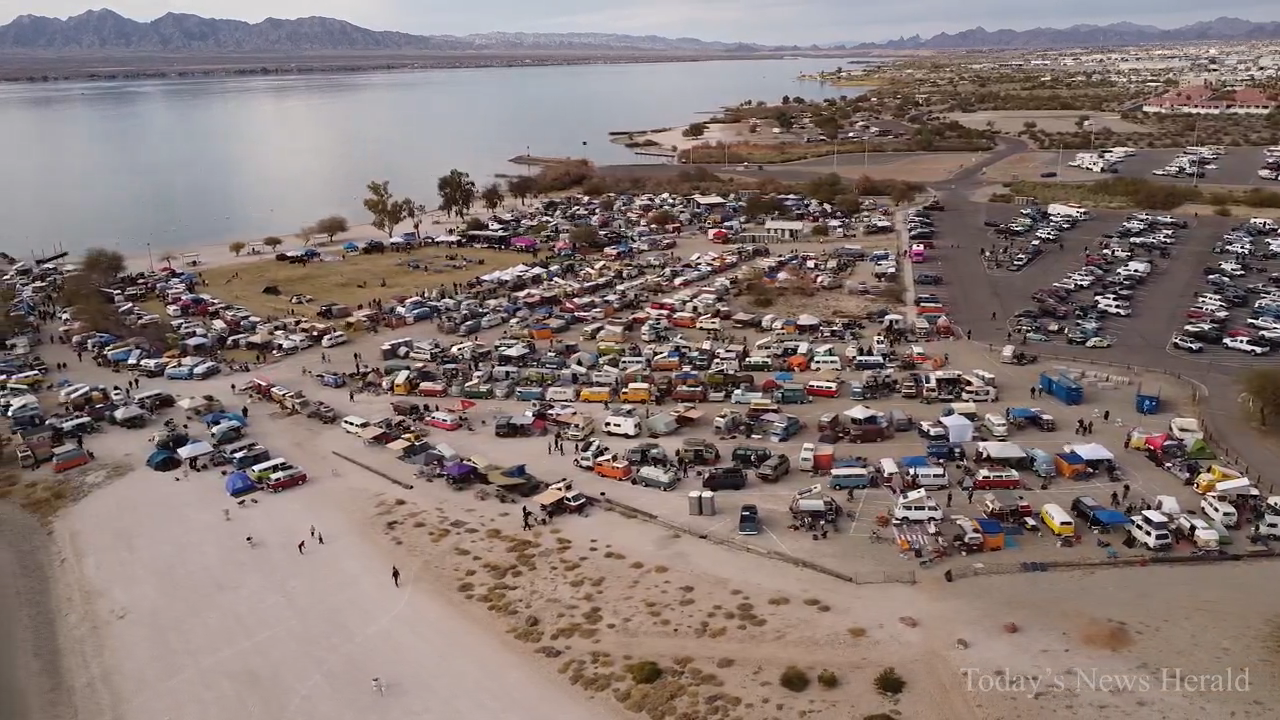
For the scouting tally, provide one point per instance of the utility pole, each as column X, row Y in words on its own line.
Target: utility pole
column 1195, row 141
column 1059, row 175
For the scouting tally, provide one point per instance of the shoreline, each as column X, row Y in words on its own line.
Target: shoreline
column 161, row 67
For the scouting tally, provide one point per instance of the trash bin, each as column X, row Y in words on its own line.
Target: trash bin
column 708, row 502
column 695, row 502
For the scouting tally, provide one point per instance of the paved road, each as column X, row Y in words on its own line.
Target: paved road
column 973, row 295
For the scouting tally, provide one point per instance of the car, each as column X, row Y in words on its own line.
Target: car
column 1246, row 345
column 1263, row 323
column 1230, row 268
column 1098, row 342
column 1182, row 342
column 991, row 223
column 749, row 520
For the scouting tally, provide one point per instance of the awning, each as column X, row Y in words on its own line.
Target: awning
column 371, row 432
column 1090, row 452
column 1000, row 450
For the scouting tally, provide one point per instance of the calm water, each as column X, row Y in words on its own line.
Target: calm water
column 185, row 162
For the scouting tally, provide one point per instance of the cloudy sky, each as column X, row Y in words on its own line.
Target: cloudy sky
column 765, row 21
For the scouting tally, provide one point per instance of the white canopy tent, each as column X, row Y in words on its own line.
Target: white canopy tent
column 959, row 428
column 196, row 449
column 861, row 413
column 1091, row 452
column 1000, row 450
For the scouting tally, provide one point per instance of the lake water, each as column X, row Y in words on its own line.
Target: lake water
column 175, row 163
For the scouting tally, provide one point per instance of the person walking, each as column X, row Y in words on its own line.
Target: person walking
column 1115, row 499
column 971, row 497
column 525, row 523
column 313, row 531
column 1089, row 427
column 395, row 575
column 320, row 538
column 1106, row 416
column 948, row 498
column 1124, row 497
column 301, row 547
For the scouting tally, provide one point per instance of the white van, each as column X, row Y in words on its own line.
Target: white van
column 1220, row 508
column 889, row 472
column 622, row 425
column 354, row 424
column 826, row 362
column 996, row 425
column 262, row 471
column 1151, row 529
column 929, row 477
column 332, row 339
column 979, row 393
column 917, row 506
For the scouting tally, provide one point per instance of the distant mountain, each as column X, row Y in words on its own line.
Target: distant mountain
column 178, row 33
column 1115, row 34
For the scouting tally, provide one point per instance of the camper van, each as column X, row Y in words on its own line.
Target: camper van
column 624, row 425
column 917, row 506
column 997, row 478
column 1151, row 530
column 929, row 477
column 979, row 393
column 996, row 425
column 353, row 424
column 1219, row 507
column 1057, row 520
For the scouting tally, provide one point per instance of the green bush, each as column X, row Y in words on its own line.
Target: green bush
column 889, row 682
column 819, row 230
column 1222, row 211
column 794, row 679
column 1002, row 197
column 828, row 679
column 645, row 672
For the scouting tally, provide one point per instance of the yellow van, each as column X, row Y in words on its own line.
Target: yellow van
column 402, row 385
column 637, row 393
column 27, row 379
column 1057, row 520
column 595, row 394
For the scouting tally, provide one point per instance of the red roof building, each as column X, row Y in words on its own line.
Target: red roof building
column 1205, row 100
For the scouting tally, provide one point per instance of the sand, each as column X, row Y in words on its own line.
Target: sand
column 673, row 139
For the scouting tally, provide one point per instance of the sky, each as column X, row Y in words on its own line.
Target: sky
column 800, row 22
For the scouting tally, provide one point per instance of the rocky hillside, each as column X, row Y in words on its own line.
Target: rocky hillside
column 1116, row 34
column 177, row 33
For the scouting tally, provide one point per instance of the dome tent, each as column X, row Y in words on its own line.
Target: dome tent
column 238, row 483
column 163, row 461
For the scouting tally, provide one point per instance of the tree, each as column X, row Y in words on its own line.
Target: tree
column 167, row 257
column 785, row 121
column 1030, row 125
column 584, row 235
column 457, row 193
column 695, row 130
column 607, row 204
column 417, row 212
column 661, row 218
column 825, row 188
column 387, row 212
column 829, row 125
column 1262, row 385
column 902, row 193
column 237, row 247
column 272, row 242
column 102, row 265
column 522, row 187
column 332, row 225
column 849, row 203
column 492, row 196
column 786, row 99
column 760, row 205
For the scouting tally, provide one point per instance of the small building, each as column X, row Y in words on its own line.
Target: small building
column 706, row 203
column 784, row 230
column 1205, row 100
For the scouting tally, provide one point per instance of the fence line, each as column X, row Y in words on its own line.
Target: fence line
column 961, row 572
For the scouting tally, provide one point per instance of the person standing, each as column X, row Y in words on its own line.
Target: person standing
column 313, row 531
column 395, row 575
column 320, row 538
column 948, row 498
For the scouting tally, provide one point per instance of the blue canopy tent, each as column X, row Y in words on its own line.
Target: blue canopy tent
column 916, row 461
column 351, row 247
column 1109, row 518
column 784, row 377
column 238, row 483
column 163, row 461
column 219, row 417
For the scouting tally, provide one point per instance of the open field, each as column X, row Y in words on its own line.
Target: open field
column 1009, row 122
column 351, row 279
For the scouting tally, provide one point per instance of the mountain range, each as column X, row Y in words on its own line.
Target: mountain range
column 1115, row 34
column 177, row 33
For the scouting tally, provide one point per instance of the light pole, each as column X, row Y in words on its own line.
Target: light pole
column 1195, row 140
column 150, row 261
column 835, row 147
column 1059, row 175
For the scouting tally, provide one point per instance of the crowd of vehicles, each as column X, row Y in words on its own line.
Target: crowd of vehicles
column 1230, row 311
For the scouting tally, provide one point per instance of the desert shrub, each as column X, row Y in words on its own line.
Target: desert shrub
column 819, row 230
column 1222, row 211
column 794, row 679
column 645, row 672
column 889, row 682
column 1001, row 197
column 828, row 679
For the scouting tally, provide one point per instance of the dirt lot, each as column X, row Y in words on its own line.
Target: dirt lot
column 1011, row 121
column 1029, row 165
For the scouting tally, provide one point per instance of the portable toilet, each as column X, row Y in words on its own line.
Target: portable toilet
column 1145, row 403
column 708, row 503
column 695, row 502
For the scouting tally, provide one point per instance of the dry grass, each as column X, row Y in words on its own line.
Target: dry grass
column 340, row 281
